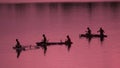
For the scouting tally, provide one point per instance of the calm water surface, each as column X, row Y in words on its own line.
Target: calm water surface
column 28, row 22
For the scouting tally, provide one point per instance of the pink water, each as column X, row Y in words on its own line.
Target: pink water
column 28, row 22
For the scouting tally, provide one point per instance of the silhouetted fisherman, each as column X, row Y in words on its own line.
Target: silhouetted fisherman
column 18, row 48
column 68, row 42
column 101, row 31
column 88, row 32
column 101, row 34
column 44, row 38
column 18, row 44
column 68, row 38
column 44, row 43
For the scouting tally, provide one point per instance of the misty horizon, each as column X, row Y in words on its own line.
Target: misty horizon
column 56, row 1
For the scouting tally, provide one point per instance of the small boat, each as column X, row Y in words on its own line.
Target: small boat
column 53, row 43
column 92, row 35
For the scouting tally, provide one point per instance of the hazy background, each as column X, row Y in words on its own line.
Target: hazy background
column 31, row 1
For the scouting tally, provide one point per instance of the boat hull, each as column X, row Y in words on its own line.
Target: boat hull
column 93, row 36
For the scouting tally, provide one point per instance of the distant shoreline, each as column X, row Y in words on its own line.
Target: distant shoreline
column 58, row 2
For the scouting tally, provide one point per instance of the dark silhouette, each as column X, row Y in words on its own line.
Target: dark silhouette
column 89, row 35
column 89, row 39
column 18, row 48
column 101, row 39
column 18, row 43
column 44, row 38
column 101, row 31
column 88, row 32
column 68, row 42
column 44, row 44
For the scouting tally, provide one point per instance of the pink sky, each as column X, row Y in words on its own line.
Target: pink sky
column 18, row 1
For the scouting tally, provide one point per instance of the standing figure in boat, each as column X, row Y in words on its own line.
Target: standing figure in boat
column 17, row 44
column 88, row 32
column 18, row 48
column 44, row 39
column 68, row 42
column 44, row 43
column 101, row 31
